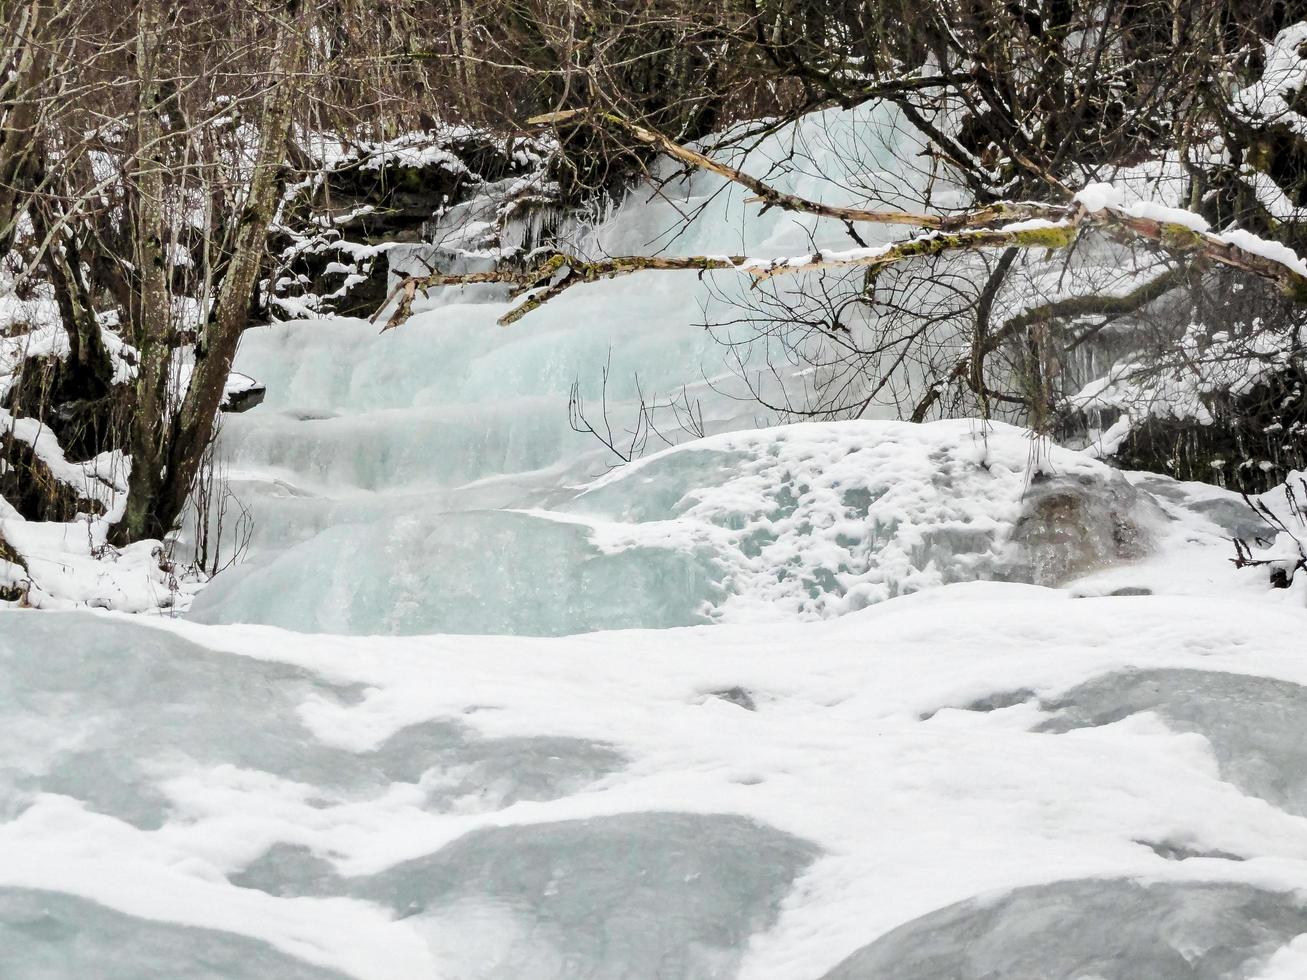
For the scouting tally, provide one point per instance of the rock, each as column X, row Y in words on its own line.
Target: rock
column 737, row 696
column 29, row 485
column 241, row 394
column 1070, row 526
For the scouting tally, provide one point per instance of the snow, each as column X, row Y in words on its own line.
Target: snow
column 87, row 477
column 863, row 755
column 1274, row 251
column 70, row 564
column 1102, row 196
column 1269, row 101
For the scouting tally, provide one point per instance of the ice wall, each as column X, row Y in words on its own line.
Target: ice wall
column 451, row 412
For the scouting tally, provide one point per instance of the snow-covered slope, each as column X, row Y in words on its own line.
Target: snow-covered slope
column 761, row 801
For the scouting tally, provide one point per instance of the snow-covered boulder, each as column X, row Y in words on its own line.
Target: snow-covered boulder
column 1108, row 929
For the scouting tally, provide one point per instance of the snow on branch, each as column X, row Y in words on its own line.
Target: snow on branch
column 555, row 274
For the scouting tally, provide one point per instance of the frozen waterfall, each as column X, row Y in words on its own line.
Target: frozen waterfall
column 863, row 700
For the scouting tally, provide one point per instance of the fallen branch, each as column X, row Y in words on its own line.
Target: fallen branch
column 551, row 277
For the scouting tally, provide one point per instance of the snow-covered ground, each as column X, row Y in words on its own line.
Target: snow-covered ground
column 852, row 700
column 690, row 802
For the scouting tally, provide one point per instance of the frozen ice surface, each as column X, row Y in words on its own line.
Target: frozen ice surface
column 474, row 572
column 757, row 801
column 1254, row 724
column 1090, row 930
column 673, row 895
column 111, row 718
column 637, row 895
column 53, row 936
column 1224, row 508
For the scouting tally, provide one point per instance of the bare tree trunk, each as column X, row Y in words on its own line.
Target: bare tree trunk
column 217, row 349
column 151, row 326
column 467, row 42
column 167, row 450
column 90, row 370
column 21, row 108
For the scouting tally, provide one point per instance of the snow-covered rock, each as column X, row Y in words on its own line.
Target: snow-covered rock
column 1107, row 929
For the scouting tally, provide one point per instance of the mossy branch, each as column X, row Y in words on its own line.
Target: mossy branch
column 551, row 277
column 1047, row 236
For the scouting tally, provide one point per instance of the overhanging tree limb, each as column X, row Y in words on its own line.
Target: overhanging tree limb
column 560, row 271
column 771, row 197
column 552, row 276
column 1001, row 225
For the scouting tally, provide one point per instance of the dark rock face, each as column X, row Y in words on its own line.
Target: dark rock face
column 27, row 483
column 242, row 396
column 1255, row 440
column 404, row 193
column 85, row 417
column 1107, row 929
column 378, row 198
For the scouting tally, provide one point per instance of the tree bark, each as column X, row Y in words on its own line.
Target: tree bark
column 151, row 315
column 21, row 107
column 157, row 494
column 217, row 349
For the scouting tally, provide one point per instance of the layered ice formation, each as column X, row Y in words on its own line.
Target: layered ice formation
column 795, row 522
